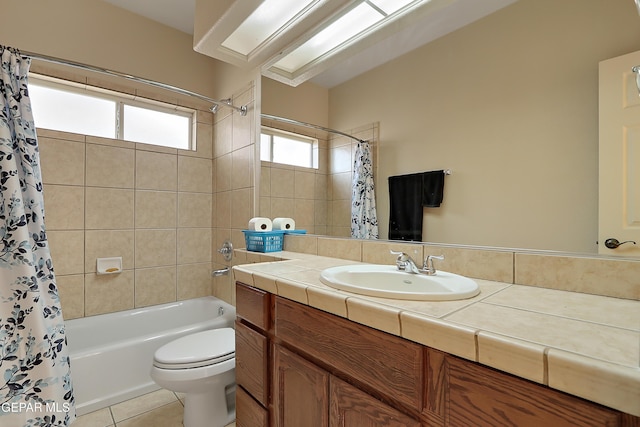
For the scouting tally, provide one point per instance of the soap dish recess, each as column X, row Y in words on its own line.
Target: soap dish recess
column 109, row 265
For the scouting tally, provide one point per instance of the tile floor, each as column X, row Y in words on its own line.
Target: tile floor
column 162, row 408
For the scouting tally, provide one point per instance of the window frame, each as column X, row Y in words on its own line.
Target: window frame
column 271, row 132
column 121, row 99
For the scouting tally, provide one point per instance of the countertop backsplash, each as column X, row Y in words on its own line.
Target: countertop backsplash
column 617, row 277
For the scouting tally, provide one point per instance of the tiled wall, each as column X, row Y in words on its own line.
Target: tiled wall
column 234, row 195
column 149, row 205
column 164, row 211
column 613, row 277
column 296, row 192
column 318, row 199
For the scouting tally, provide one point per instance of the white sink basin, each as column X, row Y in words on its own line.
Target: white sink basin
column 387, row 281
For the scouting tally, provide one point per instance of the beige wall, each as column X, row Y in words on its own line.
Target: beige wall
column 99, row 34
column 307, row 102
column 510, row 104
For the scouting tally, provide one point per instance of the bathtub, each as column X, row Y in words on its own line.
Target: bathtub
column 111, row 354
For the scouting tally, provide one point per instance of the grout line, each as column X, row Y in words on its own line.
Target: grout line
column 545, row 366
column 476, row 344
column 113, row 419
column 84, row 229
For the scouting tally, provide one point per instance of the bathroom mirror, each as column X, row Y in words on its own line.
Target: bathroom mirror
column 508, row 103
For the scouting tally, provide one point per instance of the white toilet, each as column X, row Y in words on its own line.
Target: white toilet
column 201, row 365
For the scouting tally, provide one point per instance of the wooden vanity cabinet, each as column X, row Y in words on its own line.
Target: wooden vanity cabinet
column 299, row 366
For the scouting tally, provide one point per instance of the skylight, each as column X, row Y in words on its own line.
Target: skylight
column 268, row 19
column 293, row 40
column 341, row 31
column 348, row 25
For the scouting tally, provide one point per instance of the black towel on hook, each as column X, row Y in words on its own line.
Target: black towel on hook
column 405, row 207
column 432, row 188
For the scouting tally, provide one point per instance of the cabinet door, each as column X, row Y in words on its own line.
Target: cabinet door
column 300, row 391
column 480, row 396
column 351, row 407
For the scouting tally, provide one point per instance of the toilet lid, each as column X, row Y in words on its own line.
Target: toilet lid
column 199, row 349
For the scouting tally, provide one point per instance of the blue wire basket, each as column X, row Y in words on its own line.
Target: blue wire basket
column 264, row 241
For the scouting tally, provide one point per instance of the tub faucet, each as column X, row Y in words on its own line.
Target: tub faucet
column 221, row 272
column 405, row 263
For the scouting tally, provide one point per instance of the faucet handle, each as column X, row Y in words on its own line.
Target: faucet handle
column 428, row 263
column 401, row 255
column 401, row 260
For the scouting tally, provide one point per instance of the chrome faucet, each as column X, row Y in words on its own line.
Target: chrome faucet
column 404, row 262
column 428, row 267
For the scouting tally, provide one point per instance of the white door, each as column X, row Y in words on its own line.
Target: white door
column 619, row 157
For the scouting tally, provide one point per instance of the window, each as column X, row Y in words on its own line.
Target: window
column 142, row 124
column 60, row 109
column 288, row 148
column 71, row 107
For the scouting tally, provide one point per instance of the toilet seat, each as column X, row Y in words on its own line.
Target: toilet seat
column 197, row 350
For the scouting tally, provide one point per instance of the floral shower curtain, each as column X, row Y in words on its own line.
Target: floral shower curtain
column 35, row 387
column 364, row 220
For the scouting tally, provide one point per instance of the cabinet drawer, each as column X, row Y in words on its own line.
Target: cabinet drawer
column 253, row 305
column 249, row 413
column 381, row 362
column 252, row 362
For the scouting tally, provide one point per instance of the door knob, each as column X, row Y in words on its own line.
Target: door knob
column 614, row 243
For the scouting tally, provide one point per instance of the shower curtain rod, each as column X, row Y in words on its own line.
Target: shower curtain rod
column 296, row 122
column 223, row 102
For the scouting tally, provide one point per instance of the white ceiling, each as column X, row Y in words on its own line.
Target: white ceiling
column 179, row 14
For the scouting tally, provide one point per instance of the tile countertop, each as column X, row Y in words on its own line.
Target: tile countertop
column 585, row 345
